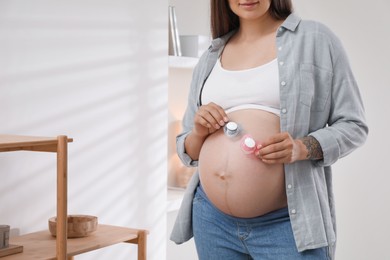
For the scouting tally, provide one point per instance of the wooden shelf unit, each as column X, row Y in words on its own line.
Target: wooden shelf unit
column 41, row 245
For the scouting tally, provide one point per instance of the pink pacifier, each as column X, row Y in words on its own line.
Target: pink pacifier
column 248, row 144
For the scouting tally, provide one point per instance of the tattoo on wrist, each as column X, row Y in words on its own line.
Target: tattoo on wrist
column 314, row 150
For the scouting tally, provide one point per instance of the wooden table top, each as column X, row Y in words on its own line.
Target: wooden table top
column 15, row 142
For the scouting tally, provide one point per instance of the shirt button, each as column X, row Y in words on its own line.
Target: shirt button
column 280, row 48
column 284, row 111
column 293, row 211
column 281, row 29
column 281, row 63
column 289, row 186
column 283, row 83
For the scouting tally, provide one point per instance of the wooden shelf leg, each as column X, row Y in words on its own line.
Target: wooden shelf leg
column 62, row 197
column 142, row 236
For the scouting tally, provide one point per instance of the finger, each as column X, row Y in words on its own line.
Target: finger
column 209, row 118
column 206, row 114
column 214, row 114
column 277, row 161
column 201, row 121
column 284, row 156
column 276, row 158
column 280, row 137
column 219, row 118
column 281, row 155
column 218, row 113
column 270, row 149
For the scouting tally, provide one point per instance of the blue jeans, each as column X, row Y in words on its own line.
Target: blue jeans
column 268, row 237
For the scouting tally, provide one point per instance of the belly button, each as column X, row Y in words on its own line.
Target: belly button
column 221, row 175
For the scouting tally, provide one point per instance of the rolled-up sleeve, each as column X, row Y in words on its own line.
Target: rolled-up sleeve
column 347, row 128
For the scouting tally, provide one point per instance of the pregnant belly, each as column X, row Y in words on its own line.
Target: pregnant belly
column 240, row 184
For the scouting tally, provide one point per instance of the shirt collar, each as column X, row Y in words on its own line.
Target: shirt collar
column 221, row 41
column 291, row 23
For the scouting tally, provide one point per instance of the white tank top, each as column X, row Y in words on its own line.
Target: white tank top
column 256, row 88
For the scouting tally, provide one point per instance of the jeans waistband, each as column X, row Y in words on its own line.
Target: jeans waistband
column 273, row 215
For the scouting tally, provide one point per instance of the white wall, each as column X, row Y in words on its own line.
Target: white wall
column 192, row 16
column 361, row 179
column 97, row 72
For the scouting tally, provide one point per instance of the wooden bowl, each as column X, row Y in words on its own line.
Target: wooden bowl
column 78, row 225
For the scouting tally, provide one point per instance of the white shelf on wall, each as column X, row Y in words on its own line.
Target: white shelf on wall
column 182, row 62
column 175, row 197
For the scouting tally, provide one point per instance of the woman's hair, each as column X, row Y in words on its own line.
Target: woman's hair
column 223, row 20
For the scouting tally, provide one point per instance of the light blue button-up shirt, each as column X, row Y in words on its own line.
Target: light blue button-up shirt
column 318, row 97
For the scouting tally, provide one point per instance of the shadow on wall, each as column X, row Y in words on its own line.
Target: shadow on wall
column 98, row 75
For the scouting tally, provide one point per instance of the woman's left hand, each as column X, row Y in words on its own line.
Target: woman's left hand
column 281, row 148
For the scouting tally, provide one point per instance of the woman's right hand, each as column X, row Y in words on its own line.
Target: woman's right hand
column 208, row 119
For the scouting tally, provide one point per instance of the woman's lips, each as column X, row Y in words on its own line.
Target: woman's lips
column 249, row 5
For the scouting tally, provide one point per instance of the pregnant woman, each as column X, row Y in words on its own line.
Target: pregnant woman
column 266, row 192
